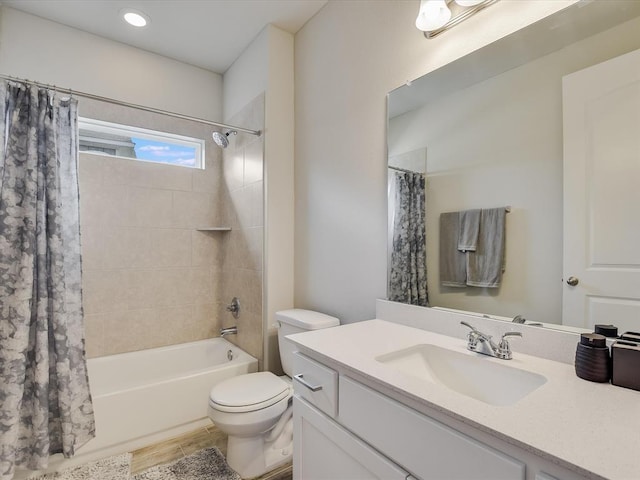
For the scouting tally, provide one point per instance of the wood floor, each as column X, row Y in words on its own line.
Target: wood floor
column 179, row 447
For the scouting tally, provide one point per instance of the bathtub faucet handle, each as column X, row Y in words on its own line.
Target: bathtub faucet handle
column 234, row 307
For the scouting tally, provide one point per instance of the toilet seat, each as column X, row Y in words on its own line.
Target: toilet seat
column 248, row 393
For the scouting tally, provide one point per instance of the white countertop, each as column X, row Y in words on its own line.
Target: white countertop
column 584, row 426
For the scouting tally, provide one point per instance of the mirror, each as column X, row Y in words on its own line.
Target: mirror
column 487, row 130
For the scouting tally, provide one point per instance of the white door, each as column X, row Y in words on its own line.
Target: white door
column 601, row 110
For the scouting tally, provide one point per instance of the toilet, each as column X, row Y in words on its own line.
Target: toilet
column 255, row 410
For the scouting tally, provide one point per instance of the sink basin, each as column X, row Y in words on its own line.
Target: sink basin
column 471, row 375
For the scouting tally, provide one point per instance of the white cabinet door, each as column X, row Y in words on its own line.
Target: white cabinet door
column 323, row 450
column 601, row 130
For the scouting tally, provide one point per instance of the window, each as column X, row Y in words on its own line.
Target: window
column 141, row 144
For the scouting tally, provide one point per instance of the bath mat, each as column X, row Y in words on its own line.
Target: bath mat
column 110, row 468
column 207, row 464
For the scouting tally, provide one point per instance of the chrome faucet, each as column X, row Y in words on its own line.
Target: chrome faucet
column 228, row 331
column 482, row 343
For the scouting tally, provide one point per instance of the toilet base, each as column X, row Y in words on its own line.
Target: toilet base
column 255, row 456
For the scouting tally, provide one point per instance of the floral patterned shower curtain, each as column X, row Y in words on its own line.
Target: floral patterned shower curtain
column 408, row 265
column 45, row 404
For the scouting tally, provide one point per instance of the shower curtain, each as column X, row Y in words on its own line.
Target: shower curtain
column 408, row 264
column 45, row 404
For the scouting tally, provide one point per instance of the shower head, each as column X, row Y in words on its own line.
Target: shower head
column 222, row 139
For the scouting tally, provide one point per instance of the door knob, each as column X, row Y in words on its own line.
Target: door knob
column 572, row 281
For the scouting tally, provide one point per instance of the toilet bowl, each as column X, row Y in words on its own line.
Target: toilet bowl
column 255, row 410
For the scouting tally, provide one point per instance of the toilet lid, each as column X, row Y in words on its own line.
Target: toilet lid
column 253, row 391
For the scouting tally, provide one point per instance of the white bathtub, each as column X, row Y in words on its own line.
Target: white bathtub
column 146, row 396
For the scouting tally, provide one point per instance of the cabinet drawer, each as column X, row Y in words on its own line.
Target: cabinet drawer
column 422, row 445
column 315, row 383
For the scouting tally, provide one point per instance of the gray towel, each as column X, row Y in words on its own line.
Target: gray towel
column 469, row 222
column 452, row 261
column 485, row 265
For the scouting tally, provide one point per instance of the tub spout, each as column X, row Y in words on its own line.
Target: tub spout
column 228, row 331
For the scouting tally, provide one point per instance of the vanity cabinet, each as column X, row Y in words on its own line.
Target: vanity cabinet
column 344, row 429
column 324, row 450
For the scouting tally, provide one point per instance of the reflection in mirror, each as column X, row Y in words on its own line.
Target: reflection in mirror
column 487, row 131
column 407, row 256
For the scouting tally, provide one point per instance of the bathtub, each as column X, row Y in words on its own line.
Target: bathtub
column 151, row 395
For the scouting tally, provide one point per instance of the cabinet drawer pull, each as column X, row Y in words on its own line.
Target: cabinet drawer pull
column 313, row 388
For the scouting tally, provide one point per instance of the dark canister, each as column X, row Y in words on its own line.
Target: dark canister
column 606, row 330
column 593, row 361
column 625, row 358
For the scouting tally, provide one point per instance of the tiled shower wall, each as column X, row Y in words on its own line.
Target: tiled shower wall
column 150, row 278
column 242, row 248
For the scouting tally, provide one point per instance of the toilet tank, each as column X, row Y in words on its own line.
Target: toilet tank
column 296, row 321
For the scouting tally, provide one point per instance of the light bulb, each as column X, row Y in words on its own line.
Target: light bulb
column 468, row 3
column 433, row 14
column 134, row 17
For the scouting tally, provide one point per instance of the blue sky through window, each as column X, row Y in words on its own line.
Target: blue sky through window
column 156, row 151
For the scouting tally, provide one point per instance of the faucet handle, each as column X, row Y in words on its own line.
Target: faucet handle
column 473, row 329
column 504, row 349
column 473, row 336
column 234, row 307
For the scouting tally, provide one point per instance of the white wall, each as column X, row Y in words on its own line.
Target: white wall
column 279, row 187
column 347, row 58
column 247, row 77
column 267, row 66
column 48, row 52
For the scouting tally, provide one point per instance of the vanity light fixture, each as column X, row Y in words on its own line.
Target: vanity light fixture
column 135, row 17
column 437, row 16
column 433, row 14
column 468, row 3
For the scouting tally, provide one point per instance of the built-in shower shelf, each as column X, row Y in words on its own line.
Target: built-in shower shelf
column 214, row 229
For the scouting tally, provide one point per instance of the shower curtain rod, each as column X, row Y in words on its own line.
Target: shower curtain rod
column 131, row 105
column 506, row 209
column 403, row 170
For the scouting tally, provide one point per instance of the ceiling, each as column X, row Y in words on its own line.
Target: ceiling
column 210, row 34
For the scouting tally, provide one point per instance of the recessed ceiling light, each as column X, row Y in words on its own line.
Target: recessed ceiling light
column 135, row 17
